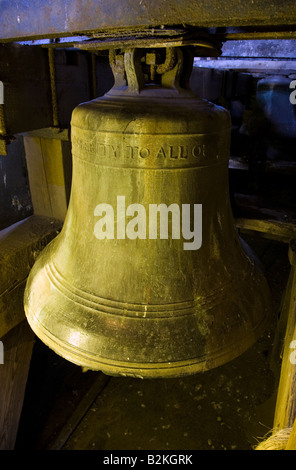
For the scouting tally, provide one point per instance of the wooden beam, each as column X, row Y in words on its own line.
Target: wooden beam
column 24, row 20
column 291, row 445
column 17, row 345
column 285, row 412
column 44, row 157
column 20, row 244
column 272, row 229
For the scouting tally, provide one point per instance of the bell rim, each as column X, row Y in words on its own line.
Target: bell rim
column 152, row 370
column 214, row 354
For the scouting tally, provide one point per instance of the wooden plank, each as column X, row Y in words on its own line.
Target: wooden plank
column 281, row 328
column 44, row 157
column 291, row 445
column 25, row 20
column 285, row 412
column 37, row 177
column 272, row 229
column 271, row 49
column 20, row 244
column 52, row 154
column 11, row 308
column 18, row 345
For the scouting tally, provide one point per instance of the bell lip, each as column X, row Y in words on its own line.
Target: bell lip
column 167, row 369
column 147, row 370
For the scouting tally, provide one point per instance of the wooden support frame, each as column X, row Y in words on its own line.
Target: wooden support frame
column 271, row 229
column 285, row 412
column 20, row 244
column 285, row 409
column 291, row 445
column 45, row 157
column 18, row 345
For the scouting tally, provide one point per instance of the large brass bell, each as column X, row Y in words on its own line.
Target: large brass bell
column 148, row 277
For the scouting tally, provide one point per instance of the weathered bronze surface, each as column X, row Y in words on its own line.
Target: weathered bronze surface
column 147, row 307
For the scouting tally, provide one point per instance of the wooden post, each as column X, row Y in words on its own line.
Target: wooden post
column 44, row 157
column 291, row 445
column 19, row 246
column 285, row 412
column 17, row 348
